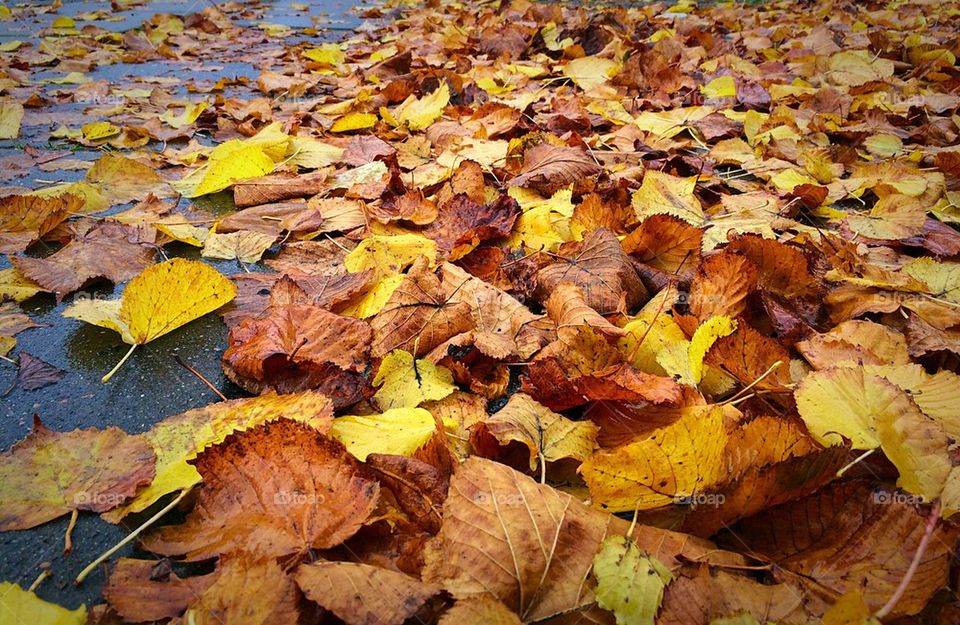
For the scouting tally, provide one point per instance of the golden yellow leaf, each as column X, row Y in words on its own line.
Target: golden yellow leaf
column 720, row 87
column 662, row 193
column 704, row 338
column 22, row 606
column 13, row 285
column 630, row 583
column 11, row 114
column 589, row 72
column 400, row 431
column 853, row 68
column 354, row 121
column 160, row 299
column 405, row 383
column 872, row 412
column 389, row 255
column 417, row 114
column 95, row 131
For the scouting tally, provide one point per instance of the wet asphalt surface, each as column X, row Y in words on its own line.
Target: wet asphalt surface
column 151, row 385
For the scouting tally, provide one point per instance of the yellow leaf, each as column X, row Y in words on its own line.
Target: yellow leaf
column 13, row 285
column 589, row 72
column 22, row 606
column 942, row 278
column 160, row 299
column 406, row 384
column 95, row 131
column 872, row 412
column 247, row 246
column 11, row 114
column 666, row 124
column 704, row 338
column 720, row 87
column 400, row 431
column 327, row 54
column 389, row 255
column 883, row 145
column 857, row 67
column 664, row 332
column 7, row 343
column 662, row 193
column 174, row 227
column 354, row 121
column 312, row 153
column 418, row 114
column 189, row 115
column 686, row 457
column 373, row 301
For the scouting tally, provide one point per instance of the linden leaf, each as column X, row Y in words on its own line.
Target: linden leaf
column 629, row 583
column 405, row 383
column 278, row 489
column 361, row 594
column 247, row 590
column 590, row 72
column 49, row 474
column 549, row 436
column 26, row 218
column 399, row 431
column 663, row 194
column 159, row 300
column 245, row 246
column 180, row 438
column 872, row 412
column 23, row 606
column 418, row 114
column 389, row 255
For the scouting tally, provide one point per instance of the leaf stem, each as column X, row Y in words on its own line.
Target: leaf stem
column 116, row 368
column 112, row 550
column 67, row 540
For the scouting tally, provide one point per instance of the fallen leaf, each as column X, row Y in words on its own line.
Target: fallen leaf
column 629, row 583
column 23, row 606
column 406, row 383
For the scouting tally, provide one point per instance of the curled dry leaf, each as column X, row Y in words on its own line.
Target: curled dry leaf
column 549, row 167
column 549, row 436
column 297, row 347
column 26, row 218
column 49, row 474
column 361, row 594
column 666, row 243
column 601, row 268
column 34, row 373
column 278, row 489
column 148, row 590
column 568, row 309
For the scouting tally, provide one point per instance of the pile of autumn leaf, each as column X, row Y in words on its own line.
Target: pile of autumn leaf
column 544, row 265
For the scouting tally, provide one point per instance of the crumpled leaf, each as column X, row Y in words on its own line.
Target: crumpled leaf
column 547, row 167
column 549, row 436
column 280, row 488
column 26, row 218
column 49, row 474
column 419, row 113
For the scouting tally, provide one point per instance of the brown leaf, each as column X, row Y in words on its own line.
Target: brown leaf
column 297, row 347
column 83, row 260
column 363, row 149
column 412, row 206
column 747, row 355
column 667, row 243
column 276, row 188
column 568, row 309
column 706, row 595
column 782, row 268
column 462, row 223
column 855, row 341
column 13, row 320
column 33, row 373
column 278, row 489
column 600, row 267
column 481, row 609
column 148, row 590
column 527, row 545
column 548, row 167
column 853, row 535
column 361, row 594
column 419, row 488
column 419, row 315
column 49, row 474
column 246, row 591
column 24, row 218
column 721, row 286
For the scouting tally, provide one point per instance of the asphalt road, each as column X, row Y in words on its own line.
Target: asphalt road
column 151, row 385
